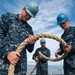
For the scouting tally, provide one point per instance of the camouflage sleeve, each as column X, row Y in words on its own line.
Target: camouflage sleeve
column 73, row 47
column 73, row 42
column 48, row 54
column 1, row 36
column 3, row 31
column 30, row 47
column 6, row 47
column 61, row 47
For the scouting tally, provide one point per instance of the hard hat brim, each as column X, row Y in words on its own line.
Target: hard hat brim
column 29, row 13
column 61, row 22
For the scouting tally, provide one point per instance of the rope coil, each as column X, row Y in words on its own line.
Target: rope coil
column 23, row 44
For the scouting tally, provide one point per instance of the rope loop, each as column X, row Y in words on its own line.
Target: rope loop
column 23, row 44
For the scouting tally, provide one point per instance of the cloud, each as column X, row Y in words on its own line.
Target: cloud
column 48, row 13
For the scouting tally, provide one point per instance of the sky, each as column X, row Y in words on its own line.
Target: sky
column 45, row 21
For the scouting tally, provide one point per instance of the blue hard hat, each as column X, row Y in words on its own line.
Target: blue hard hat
column 32, row 9
column 42, row 40
column 61, row 18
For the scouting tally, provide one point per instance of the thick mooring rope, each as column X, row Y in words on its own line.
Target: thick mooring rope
column 23, row 44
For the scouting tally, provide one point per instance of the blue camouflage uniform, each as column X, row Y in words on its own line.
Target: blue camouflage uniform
column 69, row 61
column 42, row 67
column 12, row 32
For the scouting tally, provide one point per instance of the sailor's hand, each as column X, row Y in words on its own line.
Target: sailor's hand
column 67, row 48
column 13, row 57
column 36, row 59
column 57, row 53
column 32, row 39
column 39, row 56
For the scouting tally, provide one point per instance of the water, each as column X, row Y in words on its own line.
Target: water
column 54, row 70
